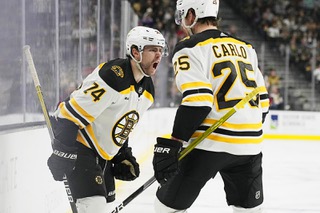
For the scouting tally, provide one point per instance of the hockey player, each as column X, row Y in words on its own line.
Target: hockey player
column 213, row 71
column 92, row 126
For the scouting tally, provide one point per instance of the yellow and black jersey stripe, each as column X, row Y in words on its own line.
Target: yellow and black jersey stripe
column 210, row 36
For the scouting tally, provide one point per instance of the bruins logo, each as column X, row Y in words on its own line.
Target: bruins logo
column 124, row 126
column 118, row 71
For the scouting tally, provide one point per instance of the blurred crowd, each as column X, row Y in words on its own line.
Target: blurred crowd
column 151, row 13
column 280, row 22
column 283, row 23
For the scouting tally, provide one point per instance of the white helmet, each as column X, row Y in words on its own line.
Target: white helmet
column 202, row 8
column 141, row 36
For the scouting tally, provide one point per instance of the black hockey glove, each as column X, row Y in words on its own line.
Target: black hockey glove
column 110, row 183
column 62, row 160
column 125, row 165
column 166, row 159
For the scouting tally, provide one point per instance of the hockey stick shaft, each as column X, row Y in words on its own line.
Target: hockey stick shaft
column 193, row 144
column 37, row 85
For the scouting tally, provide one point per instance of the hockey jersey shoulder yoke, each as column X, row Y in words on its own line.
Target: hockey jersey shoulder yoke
column 194, row 40
column 117, row 74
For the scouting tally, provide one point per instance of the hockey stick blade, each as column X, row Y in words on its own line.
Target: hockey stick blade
column 33, row 71
column 193, row 144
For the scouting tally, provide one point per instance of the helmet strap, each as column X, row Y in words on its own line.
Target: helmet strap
column 189, row 27
column 138, row 64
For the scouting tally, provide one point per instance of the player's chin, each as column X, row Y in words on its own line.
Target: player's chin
column 152, row 72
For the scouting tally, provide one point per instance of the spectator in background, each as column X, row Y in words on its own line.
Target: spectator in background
column 273, row 78
column 232, row 30
column 136, row 6
column 298, row 22
column 273, row 33
column 276, row 100
column 147, row 19
column 316, row 74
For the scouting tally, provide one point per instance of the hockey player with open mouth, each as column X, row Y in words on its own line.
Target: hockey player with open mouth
column 93, row 125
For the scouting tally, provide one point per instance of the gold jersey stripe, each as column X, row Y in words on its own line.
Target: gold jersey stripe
column 90, row 132
column 128, row 90
column 198, row 98
column 222, row 40
column 195, row 85
column 233, row 140
column 101, row 65
column 264, row 104
column 81, row 111
column 82, row 140
column 66, row 114
column 148, row 95
column 228, row 125
column 263, row 90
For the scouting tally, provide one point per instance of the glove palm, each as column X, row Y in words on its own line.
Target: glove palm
column 125, row 165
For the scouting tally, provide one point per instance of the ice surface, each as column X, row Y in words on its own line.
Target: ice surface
column 291, row 182
column 291, row 177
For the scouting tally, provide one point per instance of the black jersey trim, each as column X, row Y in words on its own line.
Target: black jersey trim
column 75, row 114
column 264, row 96
column 196, row 91
column 88, row 139
column 193, row 40
column 234, row 133
column 264, row 115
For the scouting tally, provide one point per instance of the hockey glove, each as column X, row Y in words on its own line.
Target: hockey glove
column 125, row 165
column 166, row 159
column 109, row 182
column 62, row 160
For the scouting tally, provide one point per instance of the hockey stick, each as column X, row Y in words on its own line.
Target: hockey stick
column 193, row 144
column 37, row 85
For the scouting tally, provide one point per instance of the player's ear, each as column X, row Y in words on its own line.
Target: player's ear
column 191, row 12
column 135, row 53
column 191, row 15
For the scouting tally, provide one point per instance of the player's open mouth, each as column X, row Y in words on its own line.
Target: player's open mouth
column 155, row 65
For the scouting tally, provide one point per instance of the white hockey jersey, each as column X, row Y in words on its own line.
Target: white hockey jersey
column 216, row 70
column 107, row 106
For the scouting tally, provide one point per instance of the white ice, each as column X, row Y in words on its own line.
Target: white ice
column 291, row 182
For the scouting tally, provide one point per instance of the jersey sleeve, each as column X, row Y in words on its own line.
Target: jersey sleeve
column 263, row 95
column 197, row 95
column 191, row 80
column 89, row 101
